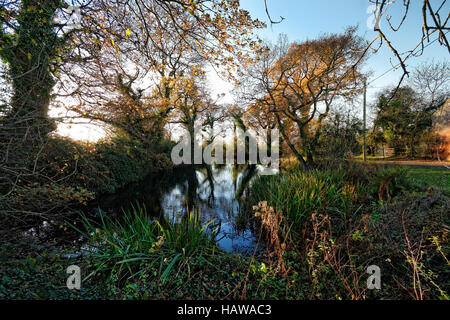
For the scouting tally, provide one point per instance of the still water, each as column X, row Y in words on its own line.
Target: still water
column 216, row 192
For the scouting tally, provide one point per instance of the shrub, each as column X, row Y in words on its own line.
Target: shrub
column 66, row 174
column 103, row 167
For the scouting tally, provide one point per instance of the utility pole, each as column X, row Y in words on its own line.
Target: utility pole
column 364, row 119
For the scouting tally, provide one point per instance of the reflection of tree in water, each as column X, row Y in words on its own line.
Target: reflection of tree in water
column 214, row 191
column 148, row 193
column 192, row 186
column 248, row 172
column 210, row 178
column 217, row 195
column 242, row 220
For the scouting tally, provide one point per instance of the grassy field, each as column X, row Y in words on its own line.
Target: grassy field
column 436, row 177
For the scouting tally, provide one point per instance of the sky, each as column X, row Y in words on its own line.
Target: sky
column 306, row 19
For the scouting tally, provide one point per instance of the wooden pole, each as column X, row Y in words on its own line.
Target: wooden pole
column 364, row 121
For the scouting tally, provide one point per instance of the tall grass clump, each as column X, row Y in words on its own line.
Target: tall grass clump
column 298, row 194
column 137, row 246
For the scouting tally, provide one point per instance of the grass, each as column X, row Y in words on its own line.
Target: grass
column 140, row 258
column 360, row 157
column 333, row 225
column 298, row 193
column 136, row 244
column 438, row 178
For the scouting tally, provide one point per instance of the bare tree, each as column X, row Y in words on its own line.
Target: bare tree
column 432, row 81
column 434, row 22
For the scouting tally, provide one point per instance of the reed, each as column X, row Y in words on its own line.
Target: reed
column 298, row 194
column 137, row 244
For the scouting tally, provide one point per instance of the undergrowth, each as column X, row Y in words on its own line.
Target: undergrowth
column 322, row 229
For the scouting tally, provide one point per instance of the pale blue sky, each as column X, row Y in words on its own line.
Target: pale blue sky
column 308, row 19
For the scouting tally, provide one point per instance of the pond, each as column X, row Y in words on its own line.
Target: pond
column 216, row 192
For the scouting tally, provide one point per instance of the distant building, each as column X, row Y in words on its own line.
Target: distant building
column 384, row 152
column 441, row 126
